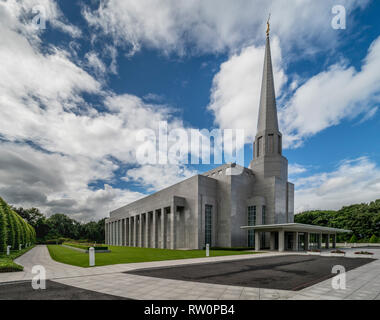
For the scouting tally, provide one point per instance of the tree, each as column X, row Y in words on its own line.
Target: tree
column 10, row 224
column 353, row 239
column 17, row 228
column 3, row 230
column 373, row 239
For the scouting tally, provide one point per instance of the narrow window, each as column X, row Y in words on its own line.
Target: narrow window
column 263, row 216
column 270, row 143
column 251, row 222
column 279, row 144
column 208, row 224
column 259, row 143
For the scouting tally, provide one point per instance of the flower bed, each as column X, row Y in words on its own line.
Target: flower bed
column 314, row 252
column 337, row 253
column 364, row 252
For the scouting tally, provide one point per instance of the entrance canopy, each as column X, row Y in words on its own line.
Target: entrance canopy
column 294, row 236
column 299, row 227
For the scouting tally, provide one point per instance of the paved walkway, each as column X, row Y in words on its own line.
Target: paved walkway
column 362, row 283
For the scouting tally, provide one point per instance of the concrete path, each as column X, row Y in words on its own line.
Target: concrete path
column 362, row 283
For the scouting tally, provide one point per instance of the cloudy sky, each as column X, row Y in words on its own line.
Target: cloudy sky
column 79, row 79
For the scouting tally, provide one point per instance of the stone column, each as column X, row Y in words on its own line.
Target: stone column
column 295, row 241
column 140, row 230
column 154, row 229
column 135, row 231
column 334, row 240
column 172, row 227
column 119, row 232
column 257, row 241
column 163, row 233
column 327, row 241
column 272, row 241
column 307, row 240
column 130, row 231
column 112, row 233
column 146, row 242
column 125, row 232
column 281, row 240
column 320, row 241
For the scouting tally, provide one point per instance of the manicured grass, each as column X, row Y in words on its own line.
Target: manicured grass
column 130, row 255
column 6, row 262
column 83, row 246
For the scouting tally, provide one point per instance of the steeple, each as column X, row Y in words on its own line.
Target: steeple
column 268, row 141
column 268, row 111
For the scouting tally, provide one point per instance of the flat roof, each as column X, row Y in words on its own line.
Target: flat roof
column 294, row 227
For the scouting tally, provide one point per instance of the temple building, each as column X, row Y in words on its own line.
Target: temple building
column 253, row 209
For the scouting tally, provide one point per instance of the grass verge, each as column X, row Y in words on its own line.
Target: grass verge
column 8, row 265
column 130, row 255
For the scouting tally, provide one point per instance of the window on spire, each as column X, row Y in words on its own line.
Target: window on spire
column 259, row 143
column 270, row 143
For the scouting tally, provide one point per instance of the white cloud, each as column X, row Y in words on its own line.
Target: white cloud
column 155, row 177
column 235, row 93
column 295, row 169
column 22, row 16
column 341, row 92
column 58, row 183
column 354, row 181
column 41, row 102
column 94, row 62
column 216, row 25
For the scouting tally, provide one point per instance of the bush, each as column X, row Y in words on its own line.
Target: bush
column 3, row 230
column 10, row 223
column 52, row 241
column 373, row 239
column 353, row 239
column 17, row 229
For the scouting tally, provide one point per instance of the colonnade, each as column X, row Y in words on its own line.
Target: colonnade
column 294, row 240
column 152, row 229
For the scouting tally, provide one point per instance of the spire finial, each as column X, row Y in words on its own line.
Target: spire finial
column 268, row 26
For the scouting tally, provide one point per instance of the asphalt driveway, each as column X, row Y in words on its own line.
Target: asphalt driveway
column 22, row 290
column 290, row 272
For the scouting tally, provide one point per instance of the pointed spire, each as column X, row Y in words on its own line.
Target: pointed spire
column 268, row 111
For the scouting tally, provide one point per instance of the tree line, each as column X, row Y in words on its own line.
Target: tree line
column 363, row 219
column 59, row 225
column 14, row 230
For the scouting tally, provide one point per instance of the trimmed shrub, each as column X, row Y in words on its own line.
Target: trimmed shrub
column 353, row 239
column 373, row 239
column 17, row 229
column 10, row 223
column 3, row 230
column 22, row 230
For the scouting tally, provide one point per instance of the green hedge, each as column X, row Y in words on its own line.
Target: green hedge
column 14, row 230
column 6, row 262
column 3, row 228
column 232, row 248
column 85, row 247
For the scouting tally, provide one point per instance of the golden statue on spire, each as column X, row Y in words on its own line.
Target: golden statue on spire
column 268, row 26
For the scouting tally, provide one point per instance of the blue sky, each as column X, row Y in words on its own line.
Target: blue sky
column 73, row 95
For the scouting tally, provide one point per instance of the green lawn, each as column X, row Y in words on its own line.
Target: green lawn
column 130, row 255
column 6, row 262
